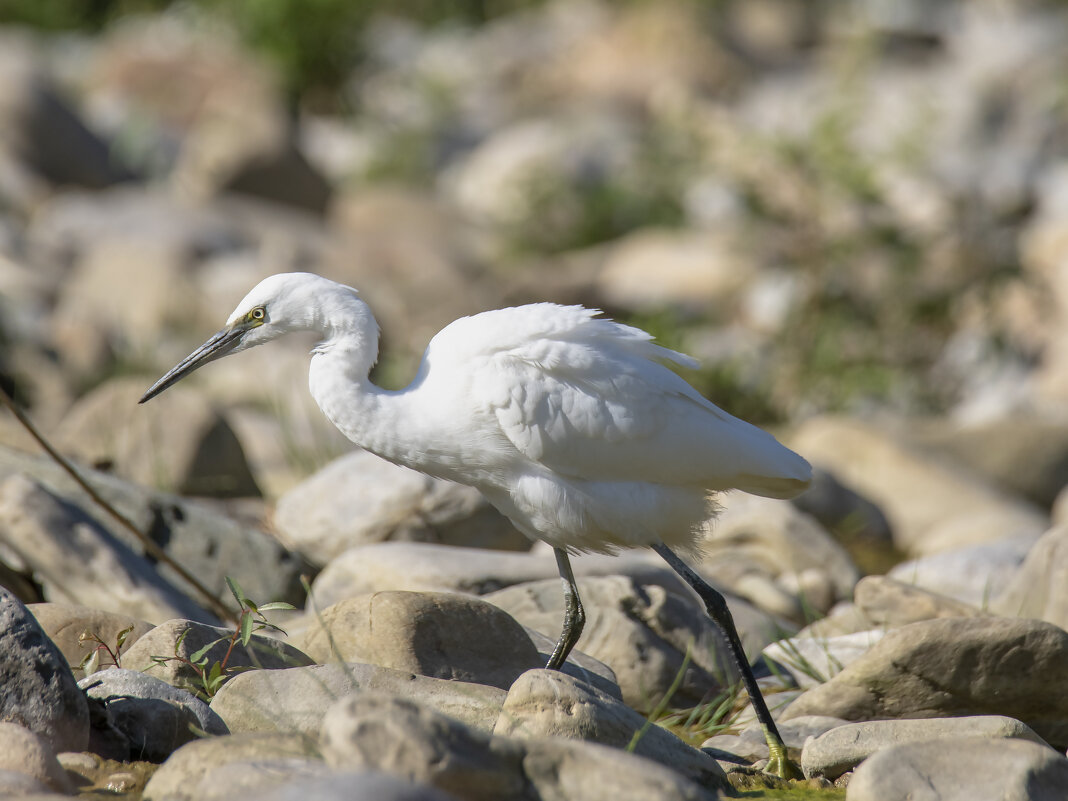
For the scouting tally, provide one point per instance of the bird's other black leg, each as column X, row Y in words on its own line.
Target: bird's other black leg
column 778, row 762
column 574, row 616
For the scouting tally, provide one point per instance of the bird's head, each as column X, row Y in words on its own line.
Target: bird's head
column 277, row 305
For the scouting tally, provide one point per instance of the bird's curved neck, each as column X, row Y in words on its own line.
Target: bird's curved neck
column 373, row 418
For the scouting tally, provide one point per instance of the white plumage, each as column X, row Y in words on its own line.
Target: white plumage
column 570, row 424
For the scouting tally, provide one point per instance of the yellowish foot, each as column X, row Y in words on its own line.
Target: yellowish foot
column 779, row 764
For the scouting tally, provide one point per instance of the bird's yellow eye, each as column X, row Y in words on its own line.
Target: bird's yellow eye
column 257, row 315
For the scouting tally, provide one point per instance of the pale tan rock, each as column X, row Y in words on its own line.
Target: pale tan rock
column 22, row 751
column 179, row 778
column 65, row 625
column 547, row 703
column 296, row 699
column 641, row 631
column 888, row 602
column 1040, row 587
column 693, row 269
column 442, row 635
column 180, row 442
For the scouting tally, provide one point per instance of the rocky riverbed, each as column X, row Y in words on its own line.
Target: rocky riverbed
column 857, row 220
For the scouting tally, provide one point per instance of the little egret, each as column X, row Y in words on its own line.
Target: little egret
column 569, row 423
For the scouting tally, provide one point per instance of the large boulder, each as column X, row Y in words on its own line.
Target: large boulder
column 179, row 443
column 961, row 770
column 547, row 703
column 952, row 667
column 642, row 632
column 40, row 692
column 1039, row 589
column 78, row 561
column 209, row 544
column 296, row 699
column 442, row 635
column 379, row 732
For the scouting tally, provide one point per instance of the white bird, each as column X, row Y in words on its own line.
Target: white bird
column 569, row 423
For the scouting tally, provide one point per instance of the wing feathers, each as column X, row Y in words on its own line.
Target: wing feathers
column 590, row 398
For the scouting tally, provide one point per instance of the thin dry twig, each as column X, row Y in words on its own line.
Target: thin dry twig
column 150, row 545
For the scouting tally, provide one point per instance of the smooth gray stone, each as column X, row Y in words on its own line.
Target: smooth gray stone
column 954, row 667
column 208, row 544
column 155, row 717
column 77, row 560
column 370, row 731
column 397, row 736
column 962, row 770
column 351, row 786
column 297, row 699
column 843, row 748
column 39, row 689
column 183, row 776
column 579, row 665
column 641, row 631
column 547, row 703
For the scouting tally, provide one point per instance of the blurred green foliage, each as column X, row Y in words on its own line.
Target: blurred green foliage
column 313, row 43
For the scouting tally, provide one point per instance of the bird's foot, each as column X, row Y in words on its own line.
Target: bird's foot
column 779, row 763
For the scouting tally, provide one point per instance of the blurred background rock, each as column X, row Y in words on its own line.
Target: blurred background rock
column 854, row 213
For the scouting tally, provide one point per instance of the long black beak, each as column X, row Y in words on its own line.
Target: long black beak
column 215, row 348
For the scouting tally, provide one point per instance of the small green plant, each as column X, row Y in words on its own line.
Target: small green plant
column 661, row 707
column 716, row 716
column 92, row 661
column 212, row 674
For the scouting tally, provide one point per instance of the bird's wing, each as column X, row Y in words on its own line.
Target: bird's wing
column 590, row 398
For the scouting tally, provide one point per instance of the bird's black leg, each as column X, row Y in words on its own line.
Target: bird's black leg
column 778, row 763
column 574, row 617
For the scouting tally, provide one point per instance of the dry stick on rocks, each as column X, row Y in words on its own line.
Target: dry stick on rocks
column 150, row 545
